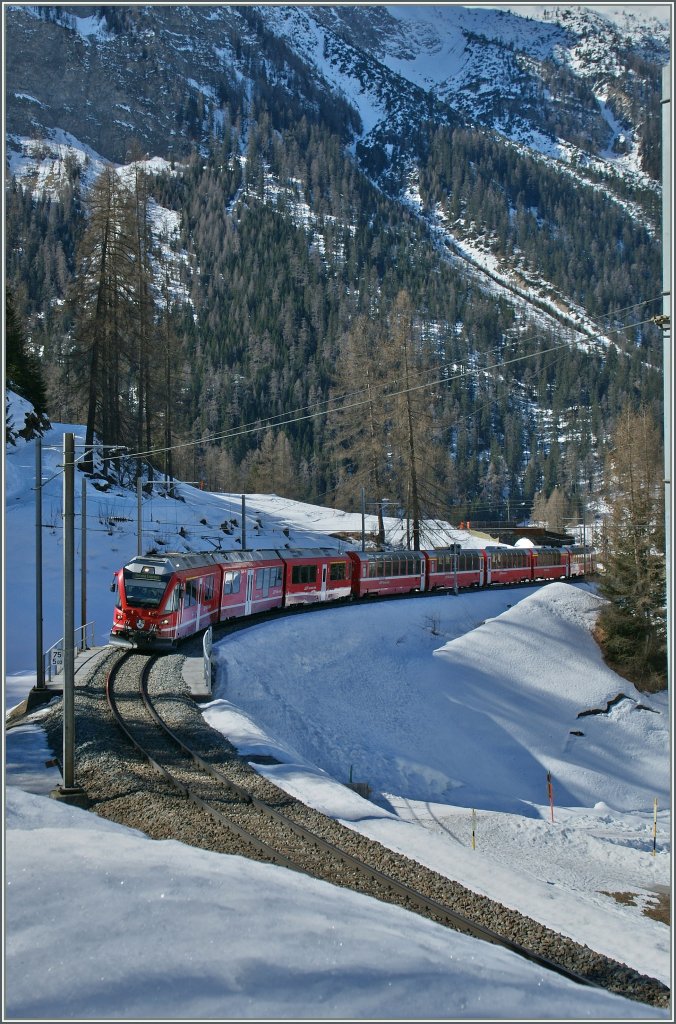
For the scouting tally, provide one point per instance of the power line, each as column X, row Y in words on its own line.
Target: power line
column 331, row 405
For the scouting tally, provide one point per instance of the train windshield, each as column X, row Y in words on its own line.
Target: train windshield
column 143, row 592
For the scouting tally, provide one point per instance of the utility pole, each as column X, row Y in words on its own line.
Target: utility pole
column 139, row 517
column 69, row 791
column 39, row 659
column 68, row 611
column 666, row 342
column 243, row 522
column 83, row 564
column 363, row 520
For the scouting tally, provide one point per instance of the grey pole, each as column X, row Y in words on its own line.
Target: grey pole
column 139, row 518
column 39, row 659
column 83, row 564
column 68, row 611
column 363, row 520
column 666, row 341
column 243, row 522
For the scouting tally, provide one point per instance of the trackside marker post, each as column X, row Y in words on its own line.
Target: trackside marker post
column 473, row 829
column 655, row 826
column 550, row 794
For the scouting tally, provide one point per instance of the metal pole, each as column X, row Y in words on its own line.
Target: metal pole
column 83, row 564
column 39, row 658
column 363, row 520
column 139, row 518
column 68, row 611
column 666, row 341
column 243, row 522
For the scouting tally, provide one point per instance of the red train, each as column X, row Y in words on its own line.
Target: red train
column 163, row 599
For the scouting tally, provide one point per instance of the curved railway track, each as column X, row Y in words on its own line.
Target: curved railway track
column 236, row 810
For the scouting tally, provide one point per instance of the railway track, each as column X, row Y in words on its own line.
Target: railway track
column 223, row 804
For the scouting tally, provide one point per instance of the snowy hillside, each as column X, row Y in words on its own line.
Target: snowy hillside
column 195, row 520
column 452, row 708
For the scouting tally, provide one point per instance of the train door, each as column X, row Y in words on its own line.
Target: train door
column 249, row 591
column 422, row 574
column 199, row 584
column 487, row 570
column 324, row 571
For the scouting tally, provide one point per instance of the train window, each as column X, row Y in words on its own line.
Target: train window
column 208, row 587
column 231, row 583
column 468, row 560
column 304, row 574
column 549, row 557
column 172, row 600
column 191, row 593
column 337, row 571
column 268, row 577
column 143, row 593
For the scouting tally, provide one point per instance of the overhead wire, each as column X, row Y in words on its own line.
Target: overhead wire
column 331, row 404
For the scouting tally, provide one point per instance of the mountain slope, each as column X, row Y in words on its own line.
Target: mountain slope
column 307, row 164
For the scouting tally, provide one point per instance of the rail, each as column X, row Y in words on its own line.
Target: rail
column 53, row 657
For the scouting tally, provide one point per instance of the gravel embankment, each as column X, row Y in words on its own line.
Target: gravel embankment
column 121, row 786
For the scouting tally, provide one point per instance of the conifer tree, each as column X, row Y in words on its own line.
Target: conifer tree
column 22, row 368
column 633, row 627
column 359, row 422
column 113, row 313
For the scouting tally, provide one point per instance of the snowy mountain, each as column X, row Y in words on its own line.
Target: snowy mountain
column 544, row 76
column 308, row 162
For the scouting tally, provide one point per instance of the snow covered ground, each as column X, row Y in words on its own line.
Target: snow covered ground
column 452, row 708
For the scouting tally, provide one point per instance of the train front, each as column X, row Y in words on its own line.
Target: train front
column 147, row 605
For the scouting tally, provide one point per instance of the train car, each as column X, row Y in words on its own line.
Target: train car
column 507, row 565
column 316, row 574
column 472, row 565
column 253, row 581
column 455, row 568
column 162, row 599
column 442, row 568
column 549, row 563
column 581, row 560
column 388, row 572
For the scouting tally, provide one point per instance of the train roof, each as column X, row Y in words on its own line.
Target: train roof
column 313, row 553
column 171, row 561
column 175, row 561
column 372, row 556
column 250, row 555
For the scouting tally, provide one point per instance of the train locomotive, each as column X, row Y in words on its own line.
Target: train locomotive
column 162, row 599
